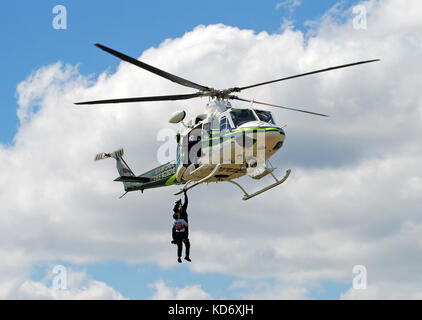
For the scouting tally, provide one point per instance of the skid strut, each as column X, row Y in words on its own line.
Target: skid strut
column 212, row 174
column 278, row 182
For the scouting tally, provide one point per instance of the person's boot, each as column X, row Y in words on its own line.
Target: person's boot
column 188, row 259
column 179, row 260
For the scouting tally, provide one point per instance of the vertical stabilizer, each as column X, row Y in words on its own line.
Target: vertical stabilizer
column 121, row 165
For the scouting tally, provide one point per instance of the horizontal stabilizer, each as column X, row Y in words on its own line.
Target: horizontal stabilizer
column 116, row 154
column 132, row 179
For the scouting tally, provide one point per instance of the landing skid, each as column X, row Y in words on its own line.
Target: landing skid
column 278, row 182
column 247, row 195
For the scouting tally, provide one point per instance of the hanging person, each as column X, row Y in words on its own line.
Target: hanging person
column 180, row 230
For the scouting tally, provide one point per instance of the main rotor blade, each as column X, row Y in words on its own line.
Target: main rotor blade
column 154, row 70
column 308, row 73
column 274, row 105
column 144, row 99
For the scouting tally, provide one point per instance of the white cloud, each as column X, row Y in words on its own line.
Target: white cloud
column 79, row 287
column 189, row 292
column 353, row 197
column 290, row 5
column 386, row 291
column 276, row 291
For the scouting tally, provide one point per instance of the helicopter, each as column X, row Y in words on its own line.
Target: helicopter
column 221, row 144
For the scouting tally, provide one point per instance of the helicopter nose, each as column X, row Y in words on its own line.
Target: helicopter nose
column 274, row 138
column 262, row 136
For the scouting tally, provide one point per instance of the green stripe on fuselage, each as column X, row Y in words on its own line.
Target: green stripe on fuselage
column 171, row 180
column 231, row 135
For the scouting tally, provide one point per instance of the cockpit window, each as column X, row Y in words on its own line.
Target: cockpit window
column 241, row 116
column 265, row 116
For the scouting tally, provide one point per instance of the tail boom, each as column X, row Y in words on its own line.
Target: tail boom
column 160, row 176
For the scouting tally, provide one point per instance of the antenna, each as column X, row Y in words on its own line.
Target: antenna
column 252, row 102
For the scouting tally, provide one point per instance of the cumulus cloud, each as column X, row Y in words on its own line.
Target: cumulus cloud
column 164, row 292
column 385, row 290
column 79, row 286
column 353, row 197
column 275, row 291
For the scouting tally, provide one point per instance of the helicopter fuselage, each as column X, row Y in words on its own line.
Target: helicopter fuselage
column 240, row 141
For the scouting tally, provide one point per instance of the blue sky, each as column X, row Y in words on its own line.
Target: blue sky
column 134, row 281
column 29, row 42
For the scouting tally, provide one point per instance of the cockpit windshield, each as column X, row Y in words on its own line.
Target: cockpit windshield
column 265, row 116
column 241, row 116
